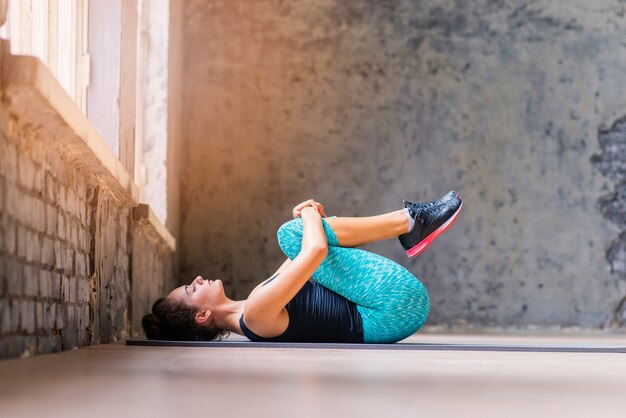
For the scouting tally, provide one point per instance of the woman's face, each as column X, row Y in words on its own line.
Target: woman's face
column 200, row 292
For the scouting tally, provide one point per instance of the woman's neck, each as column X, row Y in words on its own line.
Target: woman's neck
column 227, row 315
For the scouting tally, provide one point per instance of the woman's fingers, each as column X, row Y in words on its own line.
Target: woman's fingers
column 299, row 207
column 297, row 211
column 321, row 210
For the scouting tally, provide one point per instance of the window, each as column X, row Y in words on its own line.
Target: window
column 55, row 31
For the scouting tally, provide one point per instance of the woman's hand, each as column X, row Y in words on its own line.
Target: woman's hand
column 297, row 211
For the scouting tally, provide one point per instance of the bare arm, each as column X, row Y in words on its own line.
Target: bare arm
column 282, row 267
column 266, row 303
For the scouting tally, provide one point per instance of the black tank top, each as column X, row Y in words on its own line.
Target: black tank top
column 317, row 314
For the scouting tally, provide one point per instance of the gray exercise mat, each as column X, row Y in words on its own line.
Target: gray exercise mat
column 555, row 348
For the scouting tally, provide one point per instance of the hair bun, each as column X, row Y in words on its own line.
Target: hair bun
column 152, row 327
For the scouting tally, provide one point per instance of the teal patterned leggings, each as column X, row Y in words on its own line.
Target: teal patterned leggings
column 392, row 302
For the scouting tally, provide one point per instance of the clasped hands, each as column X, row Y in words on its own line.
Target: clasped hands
column 297, row 211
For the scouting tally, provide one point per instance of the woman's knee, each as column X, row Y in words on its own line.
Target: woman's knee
column 290, row 237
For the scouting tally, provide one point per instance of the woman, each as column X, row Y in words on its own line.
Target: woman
column 326, row 290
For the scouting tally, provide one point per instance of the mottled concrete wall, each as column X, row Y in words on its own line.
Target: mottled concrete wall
column 611, row 163
column 362, row 104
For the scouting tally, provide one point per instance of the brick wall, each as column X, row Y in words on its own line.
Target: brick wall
column 153, row 266
column 46, row 240
column 65, row 248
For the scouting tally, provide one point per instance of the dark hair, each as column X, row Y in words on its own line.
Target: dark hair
column 172, row 320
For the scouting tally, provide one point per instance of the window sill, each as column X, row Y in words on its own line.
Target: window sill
column 30, row 90
column 142, row 214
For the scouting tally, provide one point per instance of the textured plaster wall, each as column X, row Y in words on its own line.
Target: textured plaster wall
column 363, row 104
column 104, row 84
column 155, row 109
column 161, row 111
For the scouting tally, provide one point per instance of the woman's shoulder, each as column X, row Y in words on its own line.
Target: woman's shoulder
column 260, row 285
column 263, row 324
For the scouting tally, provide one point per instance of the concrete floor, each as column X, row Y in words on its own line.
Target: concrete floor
column 119, row 380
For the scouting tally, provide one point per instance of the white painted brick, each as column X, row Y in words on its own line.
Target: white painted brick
column 5, row 317
column 22, row 242
column 81, row 267
column 38, row 152
column 71, row 314
column 87, row 265
column 26, row 170
column 68, row 261
column 81, row 187
column 47, row 251
column 88, row 216
column 33, row 247
column 62, row 197
column 2, row 191
column 51, row 220
column 65, row 282
column 61, row 225
column 55, row 286
column 45, row 278
column 51, row 315
column 85, row 314
column 74, row 232
column 14, row 202
column 10, row 238
column 86, row 294
column 15, row 315
column 51, row 188
column 27, row 316
column 38, row 215
column 68, row 223
column 39, row 317
column 80, row 236
column 56, row 164
column 60, row 310
column 38, row 180
column 30, row 281
column 71, row 202
column 82, row 217
column 58, row 254
column 25, row 214
column 9, row 164
column 14, row 272
column 83, row 290
column 73, row 291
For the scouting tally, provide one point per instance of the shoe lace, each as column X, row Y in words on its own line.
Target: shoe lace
column 423, row 207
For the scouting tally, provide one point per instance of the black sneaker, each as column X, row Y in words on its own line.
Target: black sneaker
column 431, row 220
column 448, row 196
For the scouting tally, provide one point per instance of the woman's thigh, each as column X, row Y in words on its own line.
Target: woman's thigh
column 392, row 302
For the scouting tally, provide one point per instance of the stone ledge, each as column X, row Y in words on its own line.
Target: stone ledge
column 145, row 216
column 29, row 89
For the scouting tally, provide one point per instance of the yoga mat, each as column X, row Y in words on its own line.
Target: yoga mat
column 553, row 348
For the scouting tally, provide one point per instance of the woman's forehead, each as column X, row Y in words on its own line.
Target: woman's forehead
column 177, row 293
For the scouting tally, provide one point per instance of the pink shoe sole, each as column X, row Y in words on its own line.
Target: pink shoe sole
column 423, row 244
